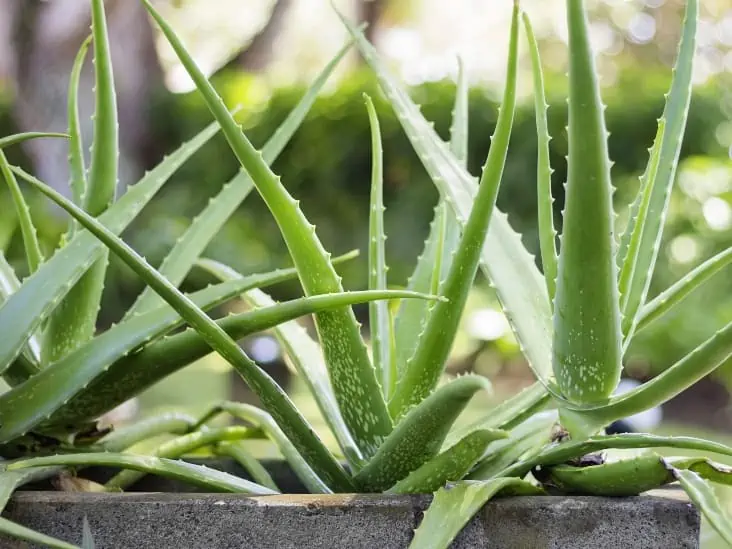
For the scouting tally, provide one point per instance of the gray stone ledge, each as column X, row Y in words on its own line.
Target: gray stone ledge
column 299, row 521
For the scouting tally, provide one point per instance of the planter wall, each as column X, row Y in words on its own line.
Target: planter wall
column 139, row 520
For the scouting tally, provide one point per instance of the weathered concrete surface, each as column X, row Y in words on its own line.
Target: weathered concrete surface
column 206, row 521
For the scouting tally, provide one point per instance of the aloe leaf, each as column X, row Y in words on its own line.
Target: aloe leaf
column 528, row 438
column 41, row 292
column 683, row 374
column 352, row 374
column 632, row 251
column 703, row 496
column 73, row 322
column 673, row 295
column 123, row 377
column 587, row 337
column 547, row 233
column 306, row 357
column 87, row 539
column 76, row 153
column 427, row 365
column 449, row 466
column 197, row 475
column 567, row 451
column 20, row 137
column 673, row 119
column 379, row 316
column 272, row 396
column 14, row 530
column 705, row 468
column 238, row 452
column 434, row 262
column 209, row 222
column 49, row 396
column 169, row 423
column 176, row 448
column 454, row 505
column 418, row 437
column 519, row 284
column 294, row 458
column 30, row 237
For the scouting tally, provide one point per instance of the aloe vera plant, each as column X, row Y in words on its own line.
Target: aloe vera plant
column 392, row 413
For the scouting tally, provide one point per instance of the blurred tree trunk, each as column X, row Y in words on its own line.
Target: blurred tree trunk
column 46, row 38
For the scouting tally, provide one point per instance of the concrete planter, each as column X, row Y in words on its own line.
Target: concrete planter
column 190, row 520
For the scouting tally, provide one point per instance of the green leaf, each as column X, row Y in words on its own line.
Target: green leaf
column 449, row 466
column 519, row 285
column 428, row 363
column 20, row 137
column 73, row 322
column 669, row 148
column 168, row 423
column 14, row 530
column 264, row 421
column 587, row 337
column 197, row 475
column 238, row 452
column 673, row 295
column 453, row 506
column 305, row 356
column 568, row 451
column 28, row 230
column 272, row 396
column 76, row 152
column 379, row 315
column 209, row 222
column 41, row 292
column 703, row 496
column 352, row 374
column 460, row 117
column 87, row 539
column 686, row 372
column 707, row 469
column 418, row 437
column 547, row 233
column 179, row 447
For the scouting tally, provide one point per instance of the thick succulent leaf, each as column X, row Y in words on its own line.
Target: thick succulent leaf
column 587, row 338
column 197, row 475
column 73, row 322
column 702, row 495
column 264, row 421
column 673, row 295
column 528, row 438
column 707, row 469
column 306, row 356
column 176, row 448
column 547, row 233
column 238, row 452
column 454, row 505
column 584, row 421
column 20, row 137
column 27, row 229
column 352, row 374
column 449, row 466
column 567, row 451
column 87, row 539
column 14, row 530
column 118, row 378
column 674, row 123
column 419, row 436
column 379, row 315
column 209, row 222
column 504, row 260
column 274, row 399
column 508, row 414
column 439, row 248
column 76, row 146
column 428, row 363
column 169, row 423
column 41, row 292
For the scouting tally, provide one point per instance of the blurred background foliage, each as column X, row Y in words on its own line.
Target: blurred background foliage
column 264, row 56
